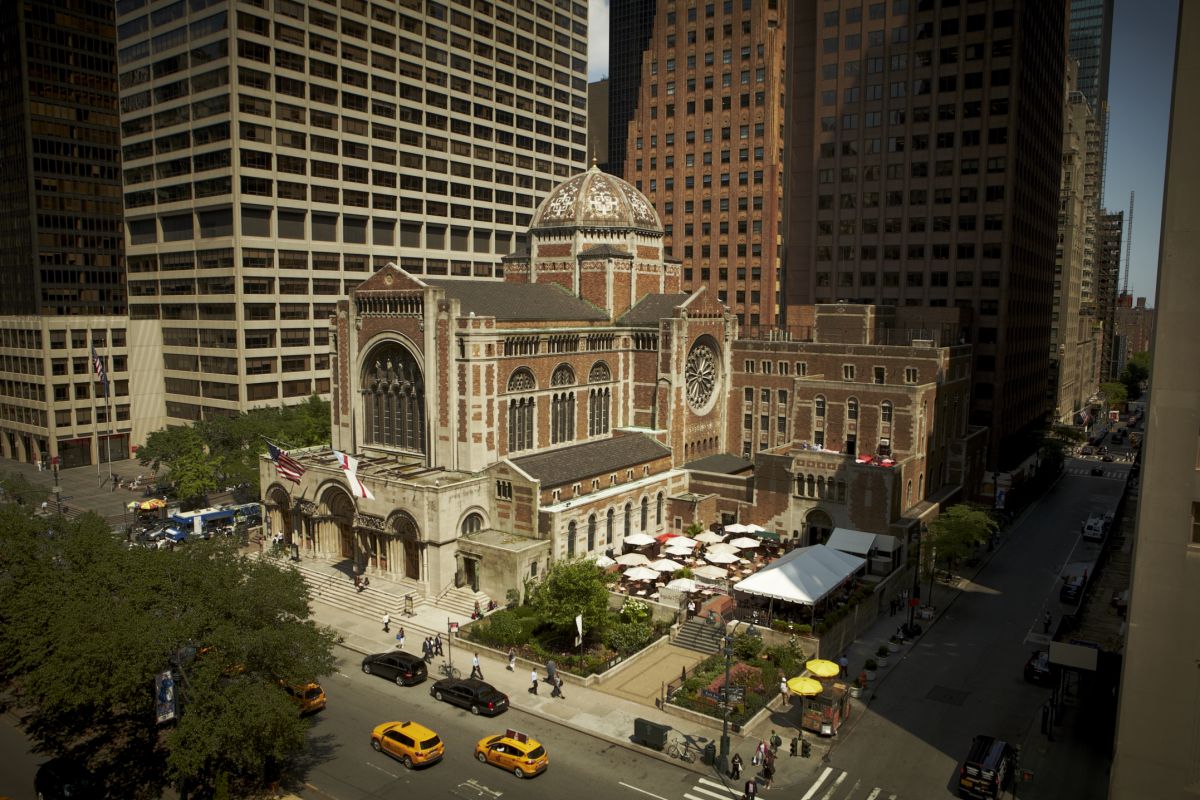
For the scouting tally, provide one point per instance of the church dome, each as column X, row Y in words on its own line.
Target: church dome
column 595, row 199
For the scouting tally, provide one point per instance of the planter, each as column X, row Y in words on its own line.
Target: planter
column 894, row 646
column 855, row 690
column 925, row 612
column 881, row 660
column 870, row 675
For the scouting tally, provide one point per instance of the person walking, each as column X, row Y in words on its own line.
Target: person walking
column 776, row 743
column 558, row 684
column 426, row 649
column 784, row 692
column 438, row 646
column 735, row 767
column 387, row 621
column 400, row 638
column 751, row 791
column 533, row 681
column 512, row 660
column 768, row 772
column 357, row 583
column 476, row 672
column 843, row 665
column 758, row 753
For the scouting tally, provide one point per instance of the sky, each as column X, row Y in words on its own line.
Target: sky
column 1139, row 98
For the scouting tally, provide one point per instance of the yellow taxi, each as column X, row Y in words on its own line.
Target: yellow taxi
column 515, row 752
column 410, row 742
column 310, row 696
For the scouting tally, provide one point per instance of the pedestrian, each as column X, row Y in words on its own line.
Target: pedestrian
column 768, row 773
column 784, row 692
column 400, row 638
column 776, row 743
column 691, row 609
column 476, row 672
column 45, row 506
column 426, row 649
column 39, row 465
column 478, row 613
column 438, row 645
column 558, row 684
column 357, row 580
column 387, row 621
column 512, row 660
column 1046, row 619
column 751, row 790
column 365, row 581
column 843, row 665
column 533, row 680
column 735, row 767
column 758, row 753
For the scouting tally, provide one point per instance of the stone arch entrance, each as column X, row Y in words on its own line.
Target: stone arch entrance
column 281, row 514
column 404, row 529
column 818, row 526
column 338, row 519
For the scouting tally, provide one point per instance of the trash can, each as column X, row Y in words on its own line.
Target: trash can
column 650, row 734
column 710, row 754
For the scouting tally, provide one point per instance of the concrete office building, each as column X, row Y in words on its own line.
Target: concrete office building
column 1089, row 42
column 702, row 139
column 1157, row 748
column 62, row 283
column 1109, row 230
column 924, row 168
column 274, row 158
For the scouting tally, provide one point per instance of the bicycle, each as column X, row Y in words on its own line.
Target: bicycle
column 450, row 671
column 684, row 750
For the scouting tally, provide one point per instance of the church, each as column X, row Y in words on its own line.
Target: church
column 503, row 425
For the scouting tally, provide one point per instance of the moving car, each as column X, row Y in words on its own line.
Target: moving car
column 1037, row 668
column 1094, row 528
column 987, row 769
column 310, row 697
column 1107, row 457
column 469, row 693
column 62, row 779
column 1086, row 450
column 405, row 669
column 410, row 742
column 515, row 752
column 1097, row 471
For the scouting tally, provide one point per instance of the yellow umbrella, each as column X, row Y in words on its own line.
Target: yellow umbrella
column 823, row 668
column 154, row 503
column 132, row 505
column 804, row 686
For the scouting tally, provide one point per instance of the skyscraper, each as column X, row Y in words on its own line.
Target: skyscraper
column 1090, row 44
column 704, row 143
column 275, row 158
column 1108, row 276
column 935, row 137
column 630, row 25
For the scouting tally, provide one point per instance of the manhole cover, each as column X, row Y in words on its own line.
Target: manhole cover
column 943, row 694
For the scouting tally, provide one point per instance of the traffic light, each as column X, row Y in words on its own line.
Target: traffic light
column 805, row 748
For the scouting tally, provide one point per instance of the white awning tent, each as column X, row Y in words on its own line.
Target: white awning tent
column 805, row 575
column 858, row 543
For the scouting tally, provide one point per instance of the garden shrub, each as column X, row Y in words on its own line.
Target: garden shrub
column 629, row 637
column 746, row 646
column 635, row 611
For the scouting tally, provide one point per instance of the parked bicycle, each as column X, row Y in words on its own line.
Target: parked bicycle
column 683, row 749
column 450, row 671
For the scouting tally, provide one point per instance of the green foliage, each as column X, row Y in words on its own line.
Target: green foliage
column 224, row 450
column 503, row 629
column 635, row 611
column 1136, row 372
column 1115, row 393
column 1069, row 433
column 571, row 588
column 694, row 530
column 629, row 637
column 787, row 658
column 958, row 531
column 685, row 572
column 747, row 647
column 87, row 624
column 16, row 488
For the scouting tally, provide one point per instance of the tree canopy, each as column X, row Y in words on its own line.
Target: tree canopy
column 223, row 451
column 958, row 531
column 1136, row 372
column 1115, row 393
column 86, row 624
column 570, row 588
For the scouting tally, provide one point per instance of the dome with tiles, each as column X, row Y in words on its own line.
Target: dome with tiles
column 595, row 199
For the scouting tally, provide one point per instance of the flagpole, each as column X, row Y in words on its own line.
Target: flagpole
column 95, row 430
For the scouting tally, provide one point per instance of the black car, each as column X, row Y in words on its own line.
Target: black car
column 987, row 769
column 403, row 668
column 1107, row 457
column 476, row 695
column 1098, row 471
column 1086, row 450
column 61, row 779
column 1037, row 668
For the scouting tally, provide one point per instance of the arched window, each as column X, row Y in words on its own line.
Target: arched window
column 885, row 411
column 599, row 402
column 819, row 405
column 608, row 527
column 658, row 509
column 563, row 376
column 800, row 485
column 628, row 518
column 908, row 495
column 521, row 380
column 852, row 408
column 820, row 486
column 562, row 417
column 521, row 415
column 393, row 395
column 591, row 533
column 472, row 524
column 571, row 540
column 600, row 373
column 645, row 513
column 812, row 492
column 921, row 486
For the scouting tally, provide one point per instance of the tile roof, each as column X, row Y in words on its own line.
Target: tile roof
column 518, row 302
column 723, row 463
column 606, row 250
column 652, row 308
column 571, row 464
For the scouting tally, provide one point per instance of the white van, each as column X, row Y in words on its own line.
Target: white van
column 1094, row 528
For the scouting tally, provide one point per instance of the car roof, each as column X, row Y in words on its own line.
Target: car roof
column 525, row 746
column 986, row 751
column 470, row 683
column 403, row 656
column 414, row 729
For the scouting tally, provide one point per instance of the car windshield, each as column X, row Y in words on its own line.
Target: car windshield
column 431, row 742
column 537, row 752
column 313, row 693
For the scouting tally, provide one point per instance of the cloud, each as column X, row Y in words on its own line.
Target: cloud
column 597, row 39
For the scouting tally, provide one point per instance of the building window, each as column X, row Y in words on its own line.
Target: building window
column 504, row 490
column 562, row 417
column 885, row 411
column 852, row 408
column 394, row 399
column 910, row 374
column 847, row 372
column 645, row 513
column 819, row 404
column 658, row 511
column 591, row 544
column 608, row 527
column 879, row 375
column 571, row 540
column 628, row 518
column 472, row 524
column 599, row 403
column 520, row 424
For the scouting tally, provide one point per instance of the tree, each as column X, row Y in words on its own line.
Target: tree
column 1135, row 374
column 957, row 532
column 571, row 588
column 16, row 488
column 86, row 625
column 1114, row 393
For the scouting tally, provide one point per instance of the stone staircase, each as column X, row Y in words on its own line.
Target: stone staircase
column 698, row 635
column 461, row 600
column 372, row 602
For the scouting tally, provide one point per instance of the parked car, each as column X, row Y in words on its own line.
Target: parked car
column 410, row 742
column 403, row 668
column 476, row 695
column 1086, row 450
column 987, row 769
column 1037, row 668
column 1107, row 457
column 1098, row 471
column 63, row 779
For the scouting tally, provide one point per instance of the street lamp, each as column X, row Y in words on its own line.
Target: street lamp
column 916, row 585
column 723, row 754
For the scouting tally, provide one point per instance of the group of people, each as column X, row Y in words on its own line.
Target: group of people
column 552, row 678
column 361, row 582
column 431, row 647
column 764, row 756
column 898, row 603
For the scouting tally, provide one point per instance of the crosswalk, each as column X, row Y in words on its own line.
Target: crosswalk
column 829, row 784
column 1108, row 473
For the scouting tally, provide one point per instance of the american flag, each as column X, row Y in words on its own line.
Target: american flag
column 101, row 372
column 287, row 466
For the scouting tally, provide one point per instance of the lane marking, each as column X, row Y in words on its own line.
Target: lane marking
column 730, row 789
column 643, row 791
column 708, row 793
column 874, row 793
column 833, row 786
column 384, row 771
column 816, row 787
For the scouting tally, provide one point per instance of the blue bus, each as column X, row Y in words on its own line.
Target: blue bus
column 202, row 523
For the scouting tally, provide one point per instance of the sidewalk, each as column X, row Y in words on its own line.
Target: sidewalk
column 83, row 488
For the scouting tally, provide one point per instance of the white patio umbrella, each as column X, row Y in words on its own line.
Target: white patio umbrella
column 720, row 558
column 722, row 547
column 752, row 528
column 666, row 565
column 640, row 574
column 709, row 537
column 711, row 572
column 682, row 541
column 683, row 585
column 744, row 542
column 638, row 539
column 679, row 552
column 603, row 561
column 632, row 560
column 736, row 527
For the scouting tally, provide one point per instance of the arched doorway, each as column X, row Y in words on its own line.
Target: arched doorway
column 280, row 514
column 340, row 512
column 819, row 526
column 404, row 527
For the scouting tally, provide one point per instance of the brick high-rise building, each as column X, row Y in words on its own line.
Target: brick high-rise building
column 924, row 165
column 1108, row 277
column 701, row 133
column 275, row 157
